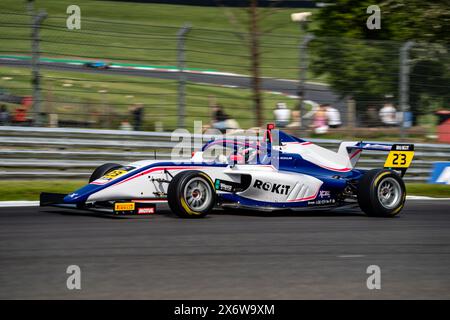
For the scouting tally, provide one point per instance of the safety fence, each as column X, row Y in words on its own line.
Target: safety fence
column 47, row 153
column 112, row 74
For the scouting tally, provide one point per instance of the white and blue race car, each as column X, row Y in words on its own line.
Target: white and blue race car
column 277, row 173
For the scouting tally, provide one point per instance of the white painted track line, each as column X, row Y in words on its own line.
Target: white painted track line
column 24, row 203
column 19, row 204
column 424, row 198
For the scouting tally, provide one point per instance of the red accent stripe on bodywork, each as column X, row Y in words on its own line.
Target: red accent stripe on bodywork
column 335, row 169
column 305, row 199
column 355, row 154
column 149, row 200
column 157, row 169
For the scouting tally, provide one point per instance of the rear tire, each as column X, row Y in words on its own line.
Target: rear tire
column 191, row 194
column 102, row 170
column 381, row 193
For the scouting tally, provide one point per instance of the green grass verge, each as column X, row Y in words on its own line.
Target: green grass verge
column 29, row 190
column 429, row 190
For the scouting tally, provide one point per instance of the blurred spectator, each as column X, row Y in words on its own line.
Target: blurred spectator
column 333, row 116
column 388, row 115
column 221, row 120
column 20, row 116
column 4, row 116
column 282, row 115
column 138, row 113
column 125, row 125
column 53, row 120
column 309, row 116
column 372, row 117
column 295, row 119
column 320, row 121
column 43, row 117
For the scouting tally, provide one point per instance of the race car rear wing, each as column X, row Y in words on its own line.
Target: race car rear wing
column 399, row 158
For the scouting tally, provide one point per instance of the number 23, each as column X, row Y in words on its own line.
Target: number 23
column 402, row 159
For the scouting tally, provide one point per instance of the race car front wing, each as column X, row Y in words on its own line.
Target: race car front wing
column 122, row 207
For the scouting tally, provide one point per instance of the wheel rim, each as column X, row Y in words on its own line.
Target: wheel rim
column 389, row 193
column 197, row 194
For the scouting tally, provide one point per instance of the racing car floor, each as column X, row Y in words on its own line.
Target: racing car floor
column 226, row 255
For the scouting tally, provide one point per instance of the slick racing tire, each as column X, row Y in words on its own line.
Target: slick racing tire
column 381, row 193
column 103, row 169
column 191, row 194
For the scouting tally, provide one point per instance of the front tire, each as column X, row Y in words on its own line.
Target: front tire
column 191, row 194
column 102, row 170
column 381, row 193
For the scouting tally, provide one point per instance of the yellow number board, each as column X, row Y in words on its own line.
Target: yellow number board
column 114, row 174
column 124, row 206
column 399, row 159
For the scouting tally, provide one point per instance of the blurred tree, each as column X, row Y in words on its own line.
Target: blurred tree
column 251, row 24
column 416, row 19
column 368, row 70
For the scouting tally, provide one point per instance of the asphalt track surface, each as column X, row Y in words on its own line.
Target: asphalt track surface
column 226, row 255
column 315, row 92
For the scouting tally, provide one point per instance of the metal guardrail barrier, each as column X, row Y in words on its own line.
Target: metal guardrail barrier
column 44, row 153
